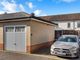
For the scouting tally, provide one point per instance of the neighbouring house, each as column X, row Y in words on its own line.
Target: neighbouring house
column 67, row 23
column 24, row 32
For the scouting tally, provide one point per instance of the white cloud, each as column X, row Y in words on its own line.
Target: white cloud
column 9, row 6
column 43, row 14
column 68, row 1
column 21, row 7
column 2, row 12
column 39, row 12
column 30, row 5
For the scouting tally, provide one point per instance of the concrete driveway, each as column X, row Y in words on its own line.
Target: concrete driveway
column 46, row 52
column 42, row 54
column 18, row 56
column 21, row 56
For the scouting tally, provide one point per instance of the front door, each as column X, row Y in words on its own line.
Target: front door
column 15, row 38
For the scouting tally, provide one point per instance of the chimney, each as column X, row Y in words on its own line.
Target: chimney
column 32, row 15
column 5, row 13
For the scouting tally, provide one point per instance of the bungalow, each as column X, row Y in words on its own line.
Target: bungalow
column 22, row 32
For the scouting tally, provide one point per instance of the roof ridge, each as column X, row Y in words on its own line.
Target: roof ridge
column 5, row 13
column 60, row 14
column 65, row 17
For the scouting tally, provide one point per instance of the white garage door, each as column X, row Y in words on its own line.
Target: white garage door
column 15, row 38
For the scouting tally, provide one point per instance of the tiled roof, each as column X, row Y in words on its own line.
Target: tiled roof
column 64, row 17
column 13, row 15
column 20, row 15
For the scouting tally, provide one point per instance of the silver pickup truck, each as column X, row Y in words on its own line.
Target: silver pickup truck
column 66, row 45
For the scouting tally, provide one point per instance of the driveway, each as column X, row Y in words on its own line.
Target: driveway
column 42, row 54
column 18, row 56
column 46, row 52
column 22, row 56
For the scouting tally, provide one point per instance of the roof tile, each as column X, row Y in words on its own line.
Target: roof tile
column 64, row 17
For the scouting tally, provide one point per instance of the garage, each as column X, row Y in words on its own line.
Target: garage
column 15, row 38
column 22, row 32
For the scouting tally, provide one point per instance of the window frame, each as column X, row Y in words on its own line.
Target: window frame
column 78, row 23
column 15, row 27
column 11, row 30
column 68, row 25
column 19, row 28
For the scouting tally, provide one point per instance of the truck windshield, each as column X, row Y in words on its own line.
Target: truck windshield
column 68, row 39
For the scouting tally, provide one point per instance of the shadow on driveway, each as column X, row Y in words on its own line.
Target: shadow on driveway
column 46, row 51
column 43, row 51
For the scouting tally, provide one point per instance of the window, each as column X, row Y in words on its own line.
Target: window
column 20, row 29
column 68, row 25
column 9, row 29
column 67, row 39
column 78, row 24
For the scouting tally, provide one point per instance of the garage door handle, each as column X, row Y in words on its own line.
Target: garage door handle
column 14, row 43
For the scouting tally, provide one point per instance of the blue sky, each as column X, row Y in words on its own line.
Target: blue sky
column 40, row 7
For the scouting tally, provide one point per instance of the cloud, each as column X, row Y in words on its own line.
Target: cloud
column 2, row 12
column 9, row 6
column 39, row 12
column 30, row 5
column 67, row 1
column 21, row 7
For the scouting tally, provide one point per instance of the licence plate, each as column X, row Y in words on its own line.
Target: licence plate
column 60, row 53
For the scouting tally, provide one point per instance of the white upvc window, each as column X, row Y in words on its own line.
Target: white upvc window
column 68, row 25
column 78, row 24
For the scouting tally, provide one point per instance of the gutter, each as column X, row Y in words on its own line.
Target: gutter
column 26, row 18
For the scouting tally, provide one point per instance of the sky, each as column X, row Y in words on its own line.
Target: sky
column 40, row 7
